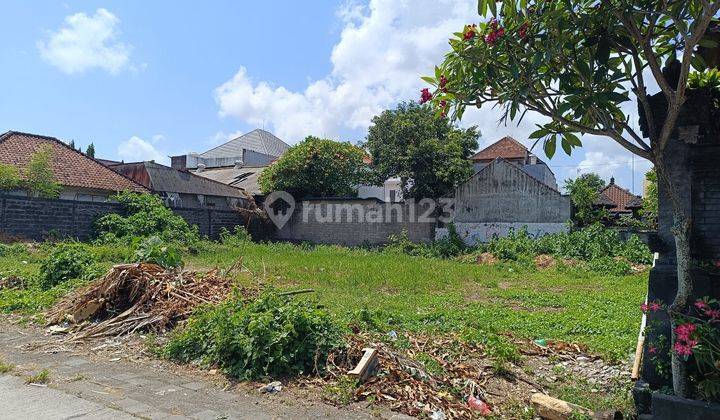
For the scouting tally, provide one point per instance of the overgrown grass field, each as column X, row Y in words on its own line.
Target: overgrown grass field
column 384, row 291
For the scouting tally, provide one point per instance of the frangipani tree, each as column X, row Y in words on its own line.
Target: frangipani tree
column 576, row 62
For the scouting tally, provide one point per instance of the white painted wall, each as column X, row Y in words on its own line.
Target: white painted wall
column 474, row 233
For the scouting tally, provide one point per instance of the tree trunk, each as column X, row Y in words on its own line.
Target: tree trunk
column 681, row 233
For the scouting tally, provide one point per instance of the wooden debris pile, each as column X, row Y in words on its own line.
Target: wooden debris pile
column 462, row 378
column 134, row 297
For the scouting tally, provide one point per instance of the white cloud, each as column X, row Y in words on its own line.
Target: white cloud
column 136, row 149
column 87, row 42
column 384, row 48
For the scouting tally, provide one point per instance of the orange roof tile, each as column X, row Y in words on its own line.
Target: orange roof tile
column 71, row 167
column 506, row 148
column 623, row 199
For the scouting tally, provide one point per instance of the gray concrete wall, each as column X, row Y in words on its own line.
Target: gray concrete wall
column 504, row 193
column 475, row 233
column 356, row 222
column 36, row 218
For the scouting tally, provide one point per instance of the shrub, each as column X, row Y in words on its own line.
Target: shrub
column 9, row 177
column 145, row 216
column 238, row 236
column 40, row 177
column 12, row 250
column 154, row 250
column 273, row 335
column 65, row 262
column 447, row 247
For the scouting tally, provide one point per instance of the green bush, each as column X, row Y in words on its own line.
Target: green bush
column 145, row 216
column 12, row 250
column 447, row 247
column 271, row 336
column 238, row 236
column 65, row 262
column 154, row 250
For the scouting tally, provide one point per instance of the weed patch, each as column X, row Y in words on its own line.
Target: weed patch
column 42, row 377
column 270, row 336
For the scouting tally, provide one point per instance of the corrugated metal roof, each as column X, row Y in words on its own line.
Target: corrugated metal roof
column 245, row 177
column 257, row 140
column 161, row 178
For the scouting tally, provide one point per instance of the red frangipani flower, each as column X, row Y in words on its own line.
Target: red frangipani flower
column 470, row 32
column 425, row 95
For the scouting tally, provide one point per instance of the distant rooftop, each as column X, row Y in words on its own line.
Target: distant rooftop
column 506, row 148
column 257, row 140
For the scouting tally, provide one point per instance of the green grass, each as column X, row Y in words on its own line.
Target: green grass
column 386, row 291
column 5, row 367
column 380, row 292
column 42, row 377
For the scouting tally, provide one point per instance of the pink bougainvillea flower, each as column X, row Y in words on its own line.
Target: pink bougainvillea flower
column 682, row 349
column 683, row 331
column 700, row 304
column 655, row 306
column 644, row 307
column 425, row 95
column 713, row 313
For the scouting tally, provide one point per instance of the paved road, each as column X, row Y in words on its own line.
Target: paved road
column 106, row 385
column 20, row 401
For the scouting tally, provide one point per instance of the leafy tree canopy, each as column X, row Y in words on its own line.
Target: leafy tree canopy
column 584, row 191
column 9, row 177
column 317, row 167
column 428, row 154
column 90, row 151
column 39, row 175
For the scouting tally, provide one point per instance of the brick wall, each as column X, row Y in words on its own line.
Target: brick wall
column 36, row 218
column 355, row 222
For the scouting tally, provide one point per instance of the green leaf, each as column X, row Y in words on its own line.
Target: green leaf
column 538, row 134
column 549, row 147
column 566, row 146
column 429, row 79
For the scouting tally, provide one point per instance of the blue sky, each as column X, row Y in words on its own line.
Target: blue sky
column 143, row 80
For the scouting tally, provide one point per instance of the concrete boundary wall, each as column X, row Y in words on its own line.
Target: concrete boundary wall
column 38, row 218
column 356, row 222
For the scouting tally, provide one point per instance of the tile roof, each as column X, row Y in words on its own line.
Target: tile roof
column 257, row 140
column 161, row 178
column 506, row 148
column 71, row 167
column 623, row 200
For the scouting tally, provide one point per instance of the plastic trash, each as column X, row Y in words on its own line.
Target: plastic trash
column 479, row 405
column 541, row 342
column 272, row 387
column 393, row 335
column 438, row 415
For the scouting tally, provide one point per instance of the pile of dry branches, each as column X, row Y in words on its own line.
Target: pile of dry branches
column 406, row 386
column 134, row 297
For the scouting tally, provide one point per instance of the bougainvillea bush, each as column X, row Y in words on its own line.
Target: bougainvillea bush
column 697, row 341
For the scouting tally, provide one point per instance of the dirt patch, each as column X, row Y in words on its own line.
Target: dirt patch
column 486, row 258
column 544, row 261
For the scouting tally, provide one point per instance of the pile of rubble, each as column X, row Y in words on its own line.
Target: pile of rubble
column 464, row 383
column 136, row 297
